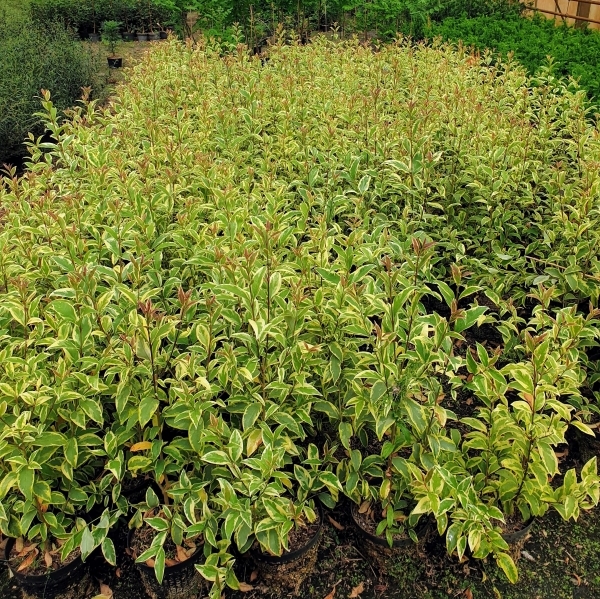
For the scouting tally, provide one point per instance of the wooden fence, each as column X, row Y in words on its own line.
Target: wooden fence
column 580, row 13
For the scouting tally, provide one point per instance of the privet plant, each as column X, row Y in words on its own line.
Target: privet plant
column 265, row 286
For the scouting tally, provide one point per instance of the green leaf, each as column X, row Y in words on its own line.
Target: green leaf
column 363, row 184
column 329, row 276
column 549, row 458
column 345, row 434
column 25, row 481
column 108, row 550
column 159, row 524
column 159, row 565
column 64, row 309
column 216, row 457
column 251, row 414
column 71, row 451
column 469, row 319
column 328, row 408
column 92, row 409
column 305, row 389
column 147, row 408
column 50, row 439
column 508, row 566
column 41, row 490
column 584, row 428
column 138, row 462
column 87, row 543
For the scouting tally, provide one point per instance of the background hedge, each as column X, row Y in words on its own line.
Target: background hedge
column 32, row 59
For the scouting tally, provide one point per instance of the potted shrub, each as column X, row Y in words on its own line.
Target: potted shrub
column 166, row 541
column 127, row 16
column 50, row 556
column 509, row 453
column 270, row 511
column 382, row 507
column 92, row 5
column 165, row 14
column 53, row 486
column 111, row 36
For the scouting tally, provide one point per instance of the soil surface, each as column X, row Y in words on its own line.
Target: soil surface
column 301, row 535
column 513, row 524
column 34, row 559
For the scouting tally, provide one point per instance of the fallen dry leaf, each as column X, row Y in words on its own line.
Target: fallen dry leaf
column 254, row 575
column 171, row 562
column 364, row 506
column 357, row 590
column 468, row 594
column 27, row 549
column 118, row 573
column 182, row 554
column 577, row 579
column 245, row 588
column 48, row 559
column 150, row 563
column 27, row 561
column 381, row 588
column 332, row 594
column 106, row 590
column 336, row 524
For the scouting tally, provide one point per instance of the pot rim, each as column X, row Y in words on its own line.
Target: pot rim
column 511, row 537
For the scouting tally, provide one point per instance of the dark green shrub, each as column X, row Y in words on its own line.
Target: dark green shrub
column 83, row 16
column 575, row 52
column 32, row 59
column 477, row 8
column 70, row 12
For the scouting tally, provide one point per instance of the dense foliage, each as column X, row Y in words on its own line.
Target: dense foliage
column 266, row 284
column 30, row 60
column 259, row 18
column 86, row 16
column 574, row 52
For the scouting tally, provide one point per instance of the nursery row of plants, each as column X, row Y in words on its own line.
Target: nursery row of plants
column 247, row 289
column 259, row 19
column 87, row 16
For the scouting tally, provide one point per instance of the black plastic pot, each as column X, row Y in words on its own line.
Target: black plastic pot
column 142, row 37
column 135, row 490
column 382, row 541
column 94, row 37
column 514, row 537
column 163, row 35
column 114, row 63
column 291, row 555
column 129, row 36
column 45, row 584
column 181, row 581
column 153, row 37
